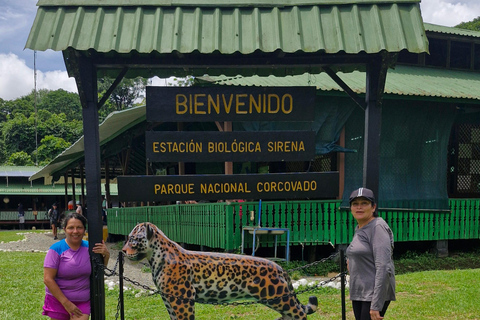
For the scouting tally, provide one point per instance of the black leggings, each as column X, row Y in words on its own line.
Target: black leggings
column 361, row 309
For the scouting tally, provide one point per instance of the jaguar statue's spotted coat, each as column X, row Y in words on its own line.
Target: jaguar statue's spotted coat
column 184, row 277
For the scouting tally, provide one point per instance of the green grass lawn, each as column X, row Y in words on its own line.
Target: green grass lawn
column 439, row 295
column 15, row 235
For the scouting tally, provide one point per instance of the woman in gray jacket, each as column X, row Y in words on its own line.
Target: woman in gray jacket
column 370, row 263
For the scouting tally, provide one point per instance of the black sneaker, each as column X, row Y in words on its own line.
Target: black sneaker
column 55, row 238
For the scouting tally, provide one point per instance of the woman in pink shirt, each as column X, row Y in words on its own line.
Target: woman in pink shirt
column 67, row 271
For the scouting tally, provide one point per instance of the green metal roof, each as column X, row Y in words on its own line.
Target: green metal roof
column 449, row 30
column 403, row 81
column 228, row 27
column 115, row 123
column 211, row 3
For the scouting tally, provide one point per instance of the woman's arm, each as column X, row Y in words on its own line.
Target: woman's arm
column 49, row 275
column 382, row 254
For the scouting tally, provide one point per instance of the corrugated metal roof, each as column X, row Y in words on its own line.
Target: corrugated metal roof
column 450, row 30
column 212, row 3
column 17, row 171
column 403, row 81
column 198, row 27
column 56, row 189
column 115, row 123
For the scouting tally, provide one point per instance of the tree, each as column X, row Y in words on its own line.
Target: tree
column 23, row 105
column 59, row 126
column 123, row 96
column 18, row 133
column 26, row 122
column 49, row 148
column 60, row 101
column 472, row 25
column 20, row 159
column 188, row 81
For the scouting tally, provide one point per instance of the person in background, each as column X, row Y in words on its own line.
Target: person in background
column 79, row 208
column 21, row 216
column 67, row 270
column 369, row 259
column 54, row 219
column 104, row 217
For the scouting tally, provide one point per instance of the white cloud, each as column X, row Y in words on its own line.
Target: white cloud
column 449, row 13
column 162, row 82
column 16, row 78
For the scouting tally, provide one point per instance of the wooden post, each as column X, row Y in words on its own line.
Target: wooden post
column 341, row 165
column 87, row 88
column 229, row 164
column 181, row 165
column 65, row 178
column 375, row 83
column 72, row 172
column 83, row 185
column 107, row 183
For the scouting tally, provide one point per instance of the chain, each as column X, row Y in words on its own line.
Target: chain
column 322, row 283
column 330, row 257
column 243, row 303
column 119, row 304
column 113, row 272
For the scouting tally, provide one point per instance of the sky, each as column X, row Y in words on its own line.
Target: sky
column 17, row 63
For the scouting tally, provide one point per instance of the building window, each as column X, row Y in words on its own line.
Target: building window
column 460, row 55
column 438, row 53
column 476, row 57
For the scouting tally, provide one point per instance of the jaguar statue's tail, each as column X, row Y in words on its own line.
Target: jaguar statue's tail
column 312, row 305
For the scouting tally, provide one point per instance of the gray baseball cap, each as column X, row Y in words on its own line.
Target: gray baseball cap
column 362, row 193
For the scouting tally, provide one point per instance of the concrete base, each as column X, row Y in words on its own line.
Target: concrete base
column 441, row 248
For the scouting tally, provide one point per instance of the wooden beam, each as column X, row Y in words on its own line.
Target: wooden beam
column 345, row 87
column 112, row 87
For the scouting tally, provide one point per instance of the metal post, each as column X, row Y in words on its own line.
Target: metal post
column 342, row 278
column 259, row 212
column 254, row 238
column 120, row 284
column 243, row 240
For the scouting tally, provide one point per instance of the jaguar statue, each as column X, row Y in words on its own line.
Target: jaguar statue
column 184, row 277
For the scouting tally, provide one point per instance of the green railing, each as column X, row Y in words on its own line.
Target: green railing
column 29, row 216
column 219, row 225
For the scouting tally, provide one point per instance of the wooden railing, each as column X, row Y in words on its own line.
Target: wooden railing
column 219, row 225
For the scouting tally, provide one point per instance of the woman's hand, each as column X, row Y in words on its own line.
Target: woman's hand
column 375, row 315
column 101, row 248
column 72, row 309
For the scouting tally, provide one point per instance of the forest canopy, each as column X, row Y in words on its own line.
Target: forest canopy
column 37, row 127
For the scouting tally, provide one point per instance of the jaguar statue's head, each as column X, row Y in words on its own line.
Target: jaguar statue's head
column 137, row 246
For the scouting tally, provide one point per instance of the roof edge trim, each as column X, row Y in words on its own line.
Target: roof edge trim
column 430, row 27
column 212, row 3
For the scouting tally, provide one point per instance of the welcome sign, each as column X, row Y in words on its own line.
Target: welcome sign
column 200, row 104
